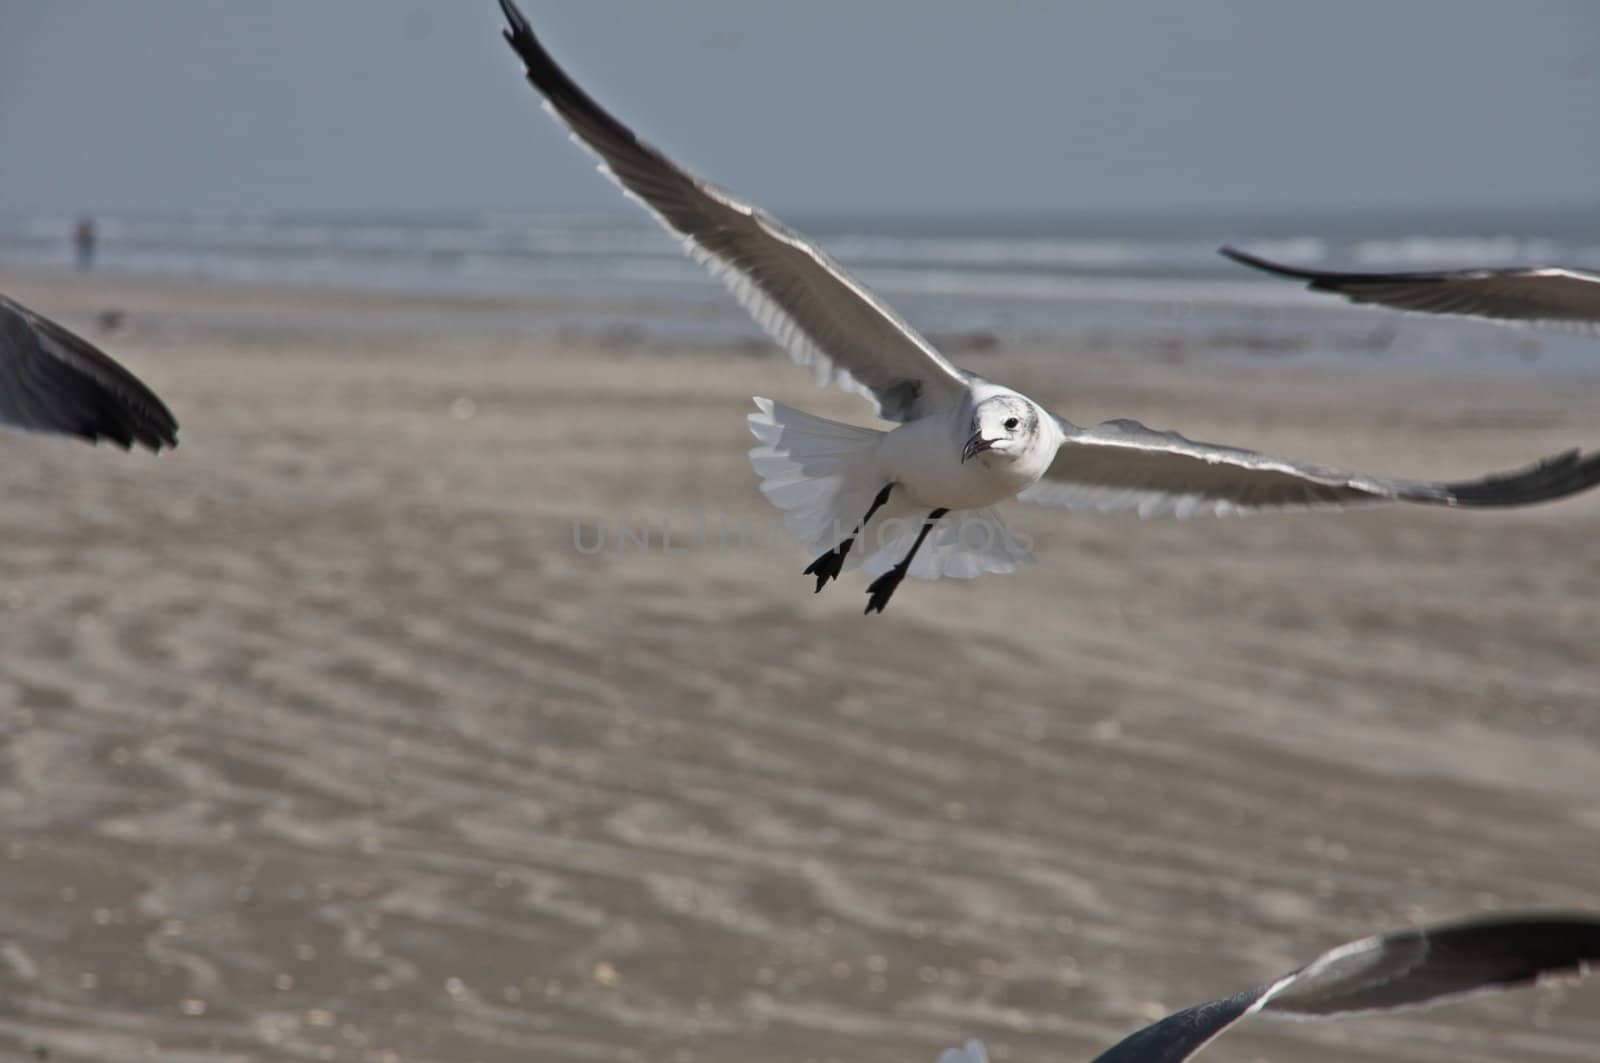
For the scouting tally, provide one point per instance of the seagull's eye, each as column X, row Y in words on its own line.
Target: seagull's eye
column 1011, row 424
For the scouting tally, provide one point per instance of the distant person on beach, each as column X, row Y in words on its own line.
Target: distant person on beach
column 83, row 238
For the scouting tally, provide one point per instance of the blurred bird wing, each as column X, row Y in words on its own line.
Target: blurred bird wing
column 1550, row 295
column 1407, row 968
column 54, row 381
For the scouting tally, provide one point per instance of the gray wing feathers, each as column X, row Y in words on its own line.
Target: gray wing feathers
column 1550, row 295
column 1122, row 465
column 816, row 312
column 54, row 381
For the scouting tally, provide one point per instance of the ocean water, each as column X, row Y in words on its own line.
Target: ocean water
column 1152, row 279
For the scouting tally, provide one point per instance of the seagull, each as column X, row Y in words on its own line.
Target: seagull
column 1540, row 295
column 962, row 444
column 54, row 381
column 1402, row 969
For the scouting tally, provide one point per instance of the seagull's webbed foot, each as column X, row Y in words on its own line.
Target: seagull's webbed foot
column 883, row 588
column 829, row 565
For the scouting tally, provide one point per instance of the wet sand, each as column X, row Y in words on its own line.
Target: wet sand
column 324, row 740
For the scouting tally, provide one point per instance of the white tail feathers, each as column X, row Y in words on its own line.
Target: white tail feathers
column 824, row 476
column 821, row 473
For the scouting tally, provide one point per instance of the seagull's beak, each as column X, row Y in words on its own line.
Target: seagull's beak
column 975, row 446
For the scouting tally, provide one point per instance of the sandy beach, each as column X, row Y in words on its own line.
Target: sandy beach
column 332, row 735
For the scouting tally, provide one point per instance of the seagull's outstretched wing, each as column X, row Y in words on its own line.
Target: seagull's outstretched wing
column 1120, row 465
column 1406, row 968
column 54, row 381
column 1549, row 295
column 817, row 312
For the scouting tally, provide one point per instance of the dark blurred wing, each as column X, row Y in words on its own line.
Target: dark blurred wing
column 1122, row 465
column 1407, row 968
column 1183, row 1033
column 1550, row 295
column 54, row 381
column 816, row 312
column 1429, row 964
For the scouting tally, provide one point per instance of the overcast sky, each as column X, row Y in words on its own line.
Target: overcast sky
column 916, row 105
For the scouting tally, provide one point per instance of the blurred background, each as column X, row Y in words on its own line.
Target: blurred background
column 1035, row 170
column 320, row 738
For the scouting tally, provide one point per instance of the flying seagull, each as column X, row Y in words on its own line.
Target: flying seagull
column 1540, row 295
column 1405, row 968
column 963, row 444
column 54, row 381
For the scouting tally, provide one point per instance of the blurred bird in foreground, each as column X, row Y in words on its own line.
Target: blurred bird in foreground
column 52, row 380
column 1400, row 969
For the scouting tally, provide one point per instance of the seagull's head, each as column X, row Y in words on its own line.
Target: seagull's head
column 1004, row 428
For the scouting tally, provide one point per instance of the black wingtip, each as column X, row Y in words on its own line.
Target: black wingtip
column 518, row 32
column 1567, row 473
column 131, row 416
column 119, row 422
column 160, row 429
column 517, row 22
column 545, row 75
column 1257, row 262
column 156, row 443
column 1351, row 285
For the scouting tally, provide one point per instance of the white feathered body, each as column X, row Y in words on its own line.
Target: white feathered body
column 923, row 458
column 824, row 476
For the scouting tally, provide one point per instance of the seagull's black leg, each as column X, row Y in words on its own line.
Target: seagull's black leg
column 883, row 587
column 828, row 565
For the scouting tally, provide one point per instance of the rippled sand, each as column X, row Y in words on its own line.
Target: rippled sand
column 323, row 741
